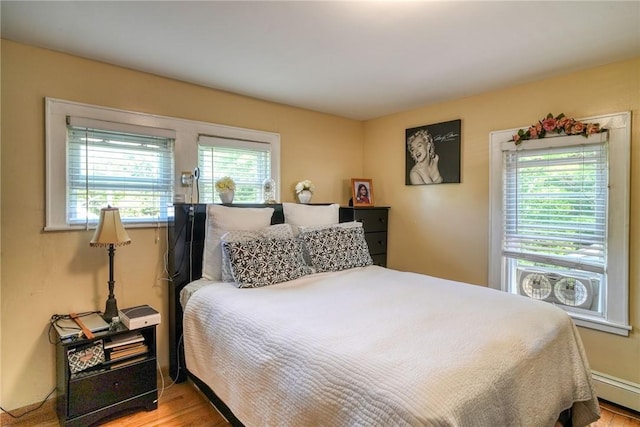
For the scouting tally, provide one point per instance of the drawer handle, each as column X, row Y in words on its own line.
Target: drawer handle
column 116, row 384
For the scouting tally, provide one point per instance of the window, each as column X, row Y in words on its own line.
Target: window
column 248, row 163
column 555, row 224
column 556, row 206
column 134, row 161
column 132, row 171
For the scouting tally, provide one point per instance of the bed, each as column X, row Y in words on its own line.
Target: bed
column 348, row 343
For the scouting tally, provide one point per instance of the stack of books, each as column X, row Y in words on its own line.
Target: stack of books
column 125, row 349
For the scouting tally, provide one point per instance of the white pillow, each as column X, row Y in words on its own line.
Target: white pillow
column 305, row 215
column 221, row 219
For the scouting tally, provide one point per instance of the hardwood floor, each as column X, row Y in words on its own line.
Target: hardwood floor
column 182, row 405
column 614, row 416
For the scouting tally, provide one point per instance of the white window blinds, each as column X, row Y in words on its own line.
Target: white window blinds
column 248, row 163
column 559, row 230
column 555, row 202
column 125, row 166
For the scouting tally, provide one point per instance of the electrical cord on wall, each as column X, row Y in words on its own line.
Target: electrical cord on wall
column 165, row 259
column 161, row 380
column 173, row 380
column 170, row 248
column 193, row 223
column 172, row 244
column 170, row 277
column 30, row 410
column 54, row 320
column 164, row 387
column 196, row 178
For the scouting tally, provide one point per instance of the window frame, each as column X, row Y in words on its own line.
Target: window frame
column 82, row 179
column 616, row 305
column 185, row 151
column 216, row 141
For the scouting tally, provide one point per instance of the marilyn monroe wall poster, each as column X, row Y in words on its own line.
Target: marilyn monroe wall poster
column 433, row 153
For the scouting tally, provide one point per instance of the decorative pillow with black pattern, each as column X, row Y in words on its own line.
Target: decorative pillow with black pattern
column 277, row 231
column 222, row 219
column 263, row 262
column 337, row 247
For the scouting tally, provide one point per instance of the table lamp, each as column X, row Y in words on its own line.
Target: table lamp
column 110, row 233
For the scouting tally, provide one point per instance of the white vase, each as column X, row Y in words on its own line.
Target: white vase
column 226, row 196
column 304, row 196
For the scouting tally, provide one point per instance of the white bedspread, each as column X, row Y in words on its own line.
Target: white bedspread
column 377, row 347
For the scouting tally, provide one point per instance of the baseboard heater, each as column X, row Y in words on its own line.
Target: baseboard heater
column 617, row 390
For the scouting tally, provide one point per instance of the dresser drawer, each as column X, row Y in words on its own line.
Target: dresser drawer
column 372, row 219
column 92, row 392
column 380, row 259
column 377, row 242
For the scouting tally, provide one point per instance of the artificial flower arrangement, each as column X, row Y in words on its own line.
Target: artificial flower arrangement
column 225, row 184
column 304, row 185
column 557, row 125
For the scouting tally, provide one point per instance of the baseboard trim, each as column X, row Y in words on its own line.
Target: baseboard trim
column 617, row 390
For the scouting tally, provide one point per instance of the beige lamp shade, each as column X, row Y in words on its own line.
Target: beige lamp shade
column 110, row 230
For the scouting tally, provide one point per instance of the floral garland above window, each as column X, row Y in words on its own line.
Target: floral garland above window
column 556, row 125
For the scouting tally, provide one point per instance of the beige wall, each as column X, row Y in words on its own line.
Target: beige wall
column 442, row 230
column 57, row 272
column 439, row 230
column 1, row 399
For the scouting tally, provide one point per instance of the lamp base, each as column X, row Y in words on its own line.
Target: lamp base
column 111, row 310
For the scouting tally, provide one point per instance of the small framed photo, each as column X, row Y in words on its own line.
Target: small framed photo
column 362, row 192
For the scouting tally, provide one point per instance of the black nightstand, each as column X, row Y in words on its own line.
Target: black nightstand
column 106, row 389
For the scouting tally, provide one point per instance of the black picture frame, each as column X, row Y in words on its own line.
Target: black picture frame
column 442, row 166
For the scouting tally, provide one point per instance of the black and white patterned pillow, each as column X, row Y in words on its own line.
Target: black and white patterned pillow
column 263, row 262
column 277, row 231
column 336, row 248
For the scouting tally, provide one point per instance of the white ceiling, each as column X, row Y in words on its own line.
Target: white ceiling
column 357, row 59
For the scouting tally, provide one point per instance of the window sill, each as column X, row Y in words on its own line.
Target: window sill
column 600, row 325
column 154, row 224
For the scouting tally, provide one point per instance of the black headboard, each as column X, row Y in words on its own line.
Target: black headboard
column 186, row 230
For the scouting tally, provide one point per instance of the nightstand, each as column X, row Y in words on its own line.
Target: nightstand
column 127, row 382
